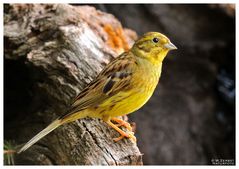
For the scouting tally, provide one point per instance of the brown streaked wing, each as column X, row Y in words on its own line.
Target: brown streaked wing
column 115, row 77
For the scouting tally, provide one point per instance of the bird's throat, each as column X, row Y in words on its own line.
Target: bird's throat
column 148, row 68
column 156, row 57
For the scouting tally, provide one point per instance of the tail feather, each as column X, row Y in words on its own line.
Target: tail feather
column 40, row 135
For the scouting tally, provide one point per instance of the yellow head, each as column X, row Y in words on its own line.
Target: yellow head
column 153, row 46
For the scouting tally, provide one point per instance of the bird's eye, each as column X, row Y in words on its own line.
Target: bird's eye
column 155, row 40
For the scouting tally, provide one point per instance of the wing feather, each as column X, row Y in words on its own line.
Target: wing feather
column 115, row 77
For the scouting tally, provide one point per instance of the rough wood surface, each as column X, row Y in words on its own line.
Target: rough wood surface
column 62, row 49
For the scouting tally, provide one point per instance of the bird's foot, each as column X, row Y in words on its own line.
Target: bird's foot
column 122, row 123
column 130, row 136
column 122, row 133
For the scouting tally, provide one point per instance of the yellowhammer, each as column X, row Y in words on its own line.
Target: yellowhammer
column 122, row 87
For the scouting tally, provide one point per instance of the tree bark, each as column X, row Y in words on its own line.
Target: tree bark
column 61, row 48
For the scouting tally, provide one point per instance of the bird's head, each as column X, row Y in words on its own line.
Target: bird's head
column 153, row 46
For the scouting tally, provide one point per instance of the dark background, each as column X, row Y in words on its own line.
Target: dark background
column 191, row 117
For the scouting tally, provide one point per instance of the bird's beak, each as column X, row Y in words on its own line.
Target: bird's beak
column 170, row 46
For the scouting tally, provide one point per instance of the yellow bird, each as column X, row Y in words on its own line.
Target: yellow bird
column 122, row 87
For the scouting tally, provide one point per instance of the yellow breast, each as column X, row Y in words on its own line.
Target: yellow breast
column 144, row 82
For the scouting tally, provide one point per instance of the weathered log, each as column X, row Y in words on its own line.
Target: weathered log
column 62, row 49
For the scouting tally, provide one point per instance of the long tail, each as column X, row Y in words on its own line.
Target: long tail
column 40, row 135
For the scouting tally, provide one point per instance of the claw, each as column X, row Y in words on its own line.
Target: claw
column 130, row 136
column 118, row 138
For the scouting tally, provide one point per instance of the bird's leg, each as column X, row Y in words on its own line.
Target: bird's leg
column 121, row 132
column 122, row 123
